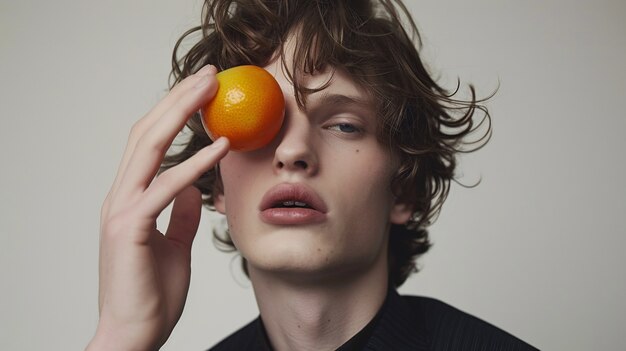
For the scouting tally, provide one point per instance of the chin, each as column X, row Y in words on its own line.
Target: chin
column 310, row 267
column 296, row 258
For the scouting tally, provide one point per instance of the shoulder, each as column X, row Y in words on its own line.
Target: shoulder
column 452, row 329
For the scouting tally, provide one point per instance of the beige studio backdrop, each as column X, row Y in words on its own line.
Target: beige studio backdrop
column 536, row 249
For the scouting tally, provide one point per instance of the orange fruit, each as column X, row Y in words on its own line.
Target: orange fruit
column 248, row 108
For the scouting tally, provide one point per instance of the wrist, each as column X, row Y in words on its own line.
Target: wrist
column 106, row 339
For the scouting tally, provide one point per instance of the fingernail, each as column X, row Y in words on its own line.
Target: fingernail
column 219, row 142
column 205, row 70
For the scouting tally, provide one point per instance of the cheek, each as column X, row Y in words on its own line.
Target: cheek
column 234, row 185
column 366, row 190
column 370, row 173
column 242, row 177
column 235, row 171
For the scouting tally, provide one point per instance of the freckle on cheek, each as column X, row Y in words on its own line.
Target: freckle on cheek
column 357, row 151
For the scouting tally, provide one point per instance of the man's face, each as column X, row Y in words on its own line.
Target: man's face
column 317, row 200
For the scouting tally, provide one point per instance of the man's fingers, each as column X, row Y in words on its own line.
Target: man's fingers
column 152, row 117
column 153, row 144
column 185, row 217
column 171, row 182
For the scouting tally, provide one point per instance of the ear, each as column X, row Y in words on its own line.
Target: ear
column 400, row 213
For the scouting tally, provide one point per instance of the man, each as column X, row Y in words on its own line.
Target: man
column 329, row 217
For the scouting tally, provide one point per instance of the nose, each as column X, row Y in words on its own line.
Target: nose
column 296, row 148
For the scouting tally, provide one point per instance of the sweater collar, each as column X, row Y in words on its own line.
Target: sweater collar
column 398, row 328
column 393, row 327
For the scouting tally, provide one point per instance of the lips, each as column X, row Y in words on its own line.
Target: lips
column 292, row 204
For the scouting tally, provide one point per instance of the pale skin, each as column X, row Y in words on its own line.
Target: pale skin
column 144, row 275
column 316, row 284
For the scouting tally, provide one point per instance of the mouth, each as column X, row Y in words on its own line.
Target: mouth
column 292, row 203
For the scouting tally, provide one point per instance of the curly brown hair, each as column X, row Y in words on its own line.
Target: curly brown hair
column 420, row 121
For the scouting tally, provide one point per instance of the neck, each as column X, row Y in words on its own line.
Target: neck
column 322, row 315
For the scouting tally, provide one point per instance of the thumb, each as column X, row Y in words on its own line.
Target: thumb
column 185, row 217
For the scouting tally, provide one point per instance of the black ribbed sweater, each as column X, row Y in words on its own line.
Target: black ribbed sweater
column 403, row 323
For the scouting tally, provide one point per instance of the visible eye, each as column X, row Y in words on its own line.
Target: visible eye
column 345, row 128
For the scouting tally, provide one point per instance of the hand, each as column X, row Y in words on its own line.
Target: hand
column 144, row 275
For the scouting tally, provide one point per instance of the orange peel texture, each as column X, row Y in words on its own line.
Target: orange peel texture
column 248, row 108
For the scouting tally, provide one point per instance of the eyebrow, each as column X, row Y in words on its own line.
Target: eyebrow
column 340, row 99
